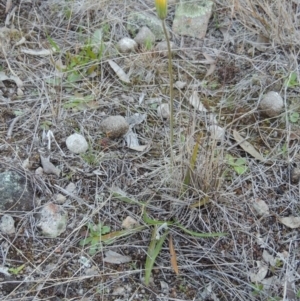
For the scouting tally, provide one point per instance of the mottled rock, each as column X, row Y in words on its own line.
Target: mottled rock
column 145, row 37
column 16, row 193
column 114, row 126
column 271, row 104
column 126, row 45
column 136, row 20
column 191, row 18
column 7, row 224
column 53, row 220
column 77, row 144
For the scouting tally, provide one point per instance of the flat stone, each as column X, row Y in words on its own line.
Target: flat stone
column 16, row 193
column 137, row 20
column 191, row 18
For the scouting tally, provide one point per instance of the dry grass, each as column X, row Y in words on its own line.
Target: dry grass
column 210, row 268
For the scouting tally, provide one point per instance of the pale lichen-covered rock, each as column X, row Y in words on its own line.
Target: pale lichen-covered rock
column 77, row 144
column 271, row 104
column 191, row 18
column 53, row 220
column 114, row 126
column 163, row 110
column 126, row 45
column 145, row 37
column 136, row 20
column 7, row 224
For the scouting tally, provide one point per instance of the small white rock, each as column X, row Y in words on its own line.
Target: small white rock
column 271, row 104
column 145, row 37
column 126, row 45
column 39, row 171
column 7, row 224
column 260, row 207
column 216, row 132
column 60, row 199
column 129, row 223
column 114, row 126
column 71, row 187
column 163, row 110
column 77, row 144
column 180, row 85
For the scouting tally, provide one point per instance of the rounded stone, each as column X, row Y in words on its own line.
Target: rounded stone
column 114, row 126
column 145, row 37
column 126, row 45
column 163, row 110
column 53, row 220
column 7, row 224
column 77, row 144
column 271, row 104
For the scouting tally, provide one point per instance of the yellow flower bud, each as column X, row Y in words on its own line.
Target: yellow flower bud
column 161, row 8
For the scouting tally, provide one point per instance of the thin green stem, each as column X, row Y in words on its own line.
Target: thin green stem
column 171, row 91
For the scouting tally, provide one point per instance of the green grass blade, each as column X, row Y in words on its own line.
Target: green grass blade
column 153, row 251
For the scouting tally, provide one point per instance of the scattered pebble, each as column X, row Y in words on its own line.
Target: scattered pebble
column 260, row 207
column 129, row 223
column 216, row 132
column 114, row 126
column 295, row 175
column 60, row 199
column 53, row 220
column 126, row 45
column 180, row 85
column 39, row 171
column 145, row 37
column 163, row 110
column 71, row 187
column 271, row 104
column 77, row 144
column 7, row 224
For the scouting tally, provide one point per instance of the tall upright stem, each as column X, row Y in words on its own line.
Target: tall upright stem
column 171, row 91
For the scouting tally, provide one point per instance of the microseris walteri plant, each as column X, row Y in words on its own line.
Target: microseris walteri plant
column 162, row 10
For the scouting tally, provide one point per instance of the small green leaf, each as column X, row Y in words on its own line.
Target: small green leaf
column 240, row 169
column 97, row 37
column 17, row 270
column 240, row 161
column 74, row 77
column 294, row 117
